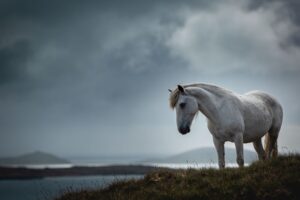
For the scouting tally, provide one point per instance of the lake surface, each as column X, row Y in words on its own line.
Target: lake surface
column 49, row 188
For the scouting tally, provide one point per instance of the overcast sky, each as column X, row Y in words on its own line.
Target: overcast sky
column 91, row 77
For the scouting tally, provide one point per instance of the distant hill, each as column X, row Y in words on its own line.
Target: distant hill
column 206, row 155
column 36, row 157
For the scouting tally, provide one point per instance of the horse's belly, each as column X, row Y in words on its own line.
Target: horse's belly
column 256, row 128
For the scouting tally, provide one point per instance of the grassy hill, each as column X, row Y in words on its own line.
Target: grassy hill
column 274, row 179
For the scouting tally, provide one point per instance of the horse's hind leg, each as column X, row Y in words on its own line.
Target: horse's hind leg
column 272, row 135
column 259, row 149
column 271, row 143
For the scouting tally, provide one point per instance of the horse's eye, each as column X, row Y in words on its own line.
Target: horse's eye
column 182, row 105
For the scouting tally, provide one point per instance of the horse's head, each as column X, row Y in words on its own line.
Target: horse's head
column 186, row 107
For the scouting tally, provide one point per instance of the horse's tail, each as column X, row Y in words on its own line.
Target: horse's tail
column 271, row 148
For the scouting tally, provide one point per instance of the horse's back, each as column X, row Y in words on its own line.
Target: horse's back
column 267, row 100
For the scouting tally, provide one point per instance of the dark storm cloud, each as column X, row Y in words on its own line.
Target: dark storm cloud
column 290, row 9
column 58, row 26
column 73, row 42
column 231, row 36
column 98, row 70
column 71, row 68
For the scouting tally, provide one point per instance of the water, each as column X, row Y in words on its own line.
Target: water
column 49, row 188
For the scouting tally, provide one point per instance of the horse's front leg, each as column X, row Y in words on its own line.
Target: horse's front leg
column 239, row 147
column 220, row 150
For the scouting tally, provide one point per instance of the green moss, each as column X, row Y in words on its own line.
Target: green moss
column 273, row 179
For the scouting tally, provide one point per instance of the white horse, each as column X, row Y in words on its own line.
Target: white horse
column 230, row 117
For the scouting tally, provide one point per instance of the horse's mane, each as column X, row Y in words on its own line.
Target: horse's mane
column 174, row 95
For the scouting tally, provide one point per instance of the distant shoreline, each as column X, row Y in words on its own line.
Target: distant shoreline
column 10, row 173
column 60, row 170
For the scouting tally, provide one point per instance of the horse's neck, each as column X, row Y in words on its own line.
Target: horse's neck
column 207, row 102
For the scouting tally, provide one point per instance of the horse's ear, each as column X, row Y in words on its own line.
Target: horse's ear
column 180, row 88
column 170, row 90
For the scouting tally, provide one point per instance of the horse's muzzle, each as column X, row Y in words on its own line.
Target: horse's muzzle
column 184, row 130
